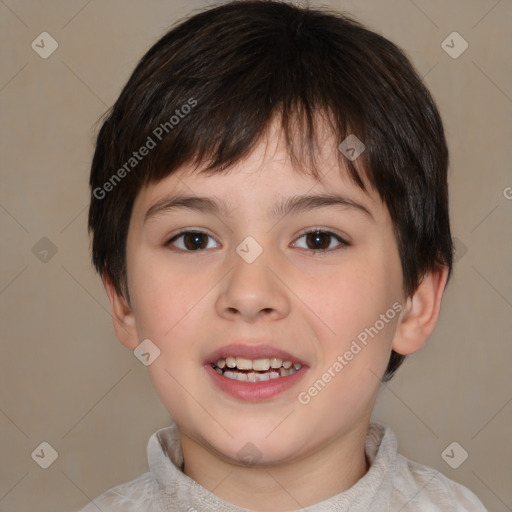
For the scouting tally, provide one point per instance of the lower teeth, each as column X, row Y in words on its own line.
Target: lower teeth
column 255, row 376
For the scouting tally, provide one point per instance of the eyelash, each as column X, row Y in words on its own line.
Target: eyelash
column 318, row 252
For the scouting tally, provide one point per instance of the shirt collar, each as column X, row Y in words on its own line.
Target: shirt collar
column 165, row 457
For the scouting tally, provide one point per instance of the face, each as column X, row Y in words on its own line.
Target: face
column 257, row 284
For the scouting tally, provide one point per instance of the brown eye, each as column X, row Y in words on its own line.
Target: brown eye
column 190, row 241
column 321, row 241
column 318, row 240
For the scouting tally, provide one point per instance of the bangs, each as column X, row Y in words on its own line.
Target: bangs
column 271, row 74
column 307, row 135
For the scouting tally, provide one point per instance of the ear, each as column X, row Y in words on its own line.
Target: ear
column 122, row 316
column 420, row 313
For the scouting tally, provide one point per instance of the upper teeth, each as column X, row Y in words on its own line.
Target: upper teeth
column 257, row 364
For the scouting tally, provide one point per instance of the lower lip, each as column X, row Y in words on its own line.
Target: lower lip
column 254, row 391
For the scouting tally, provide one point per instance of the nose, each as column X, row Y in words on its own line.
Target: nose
column 253, row 291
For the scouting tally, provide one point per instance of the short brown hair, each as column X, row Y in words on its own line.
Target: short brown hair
column 210, row 87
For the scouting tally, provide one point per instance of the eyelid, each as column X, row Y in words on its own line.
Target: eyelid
column 321, row 229
column 190, row 229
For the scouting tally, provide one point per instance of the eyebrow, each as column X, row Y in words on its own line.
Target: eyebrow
column 287, row 205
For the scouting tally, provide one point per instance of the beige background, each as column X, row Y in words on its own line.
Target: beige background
column 64, row 377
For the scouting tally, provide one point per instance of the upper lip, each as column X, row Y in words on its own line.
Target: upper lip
column 252, row 352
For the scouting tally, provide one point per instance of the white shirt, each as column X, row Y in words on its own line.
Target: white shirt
column 392, row 483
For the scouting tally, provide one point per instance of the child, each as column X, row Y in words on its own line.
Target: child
column 269, row 214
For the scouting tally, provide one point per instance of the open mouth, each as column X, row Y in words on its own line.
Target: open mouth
column 255, row 370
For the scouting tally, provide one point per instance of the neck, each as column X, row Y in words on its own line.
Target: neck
column 329, row 470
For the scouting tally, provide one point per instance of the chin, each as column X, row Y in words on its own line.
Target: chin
column 255, row 449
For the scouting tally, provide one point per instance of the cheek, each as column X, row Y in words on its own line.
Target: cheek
column 169, row 308
column 345, row 383
column 356, row 303
column 166, row 300
column 352, row 297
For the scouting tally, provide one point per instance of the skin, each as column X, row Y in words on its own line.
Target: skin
column 313, row 306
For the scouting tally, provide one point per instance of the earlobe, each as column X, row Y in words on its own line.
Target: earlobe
column 420, row 313
column 122, row 316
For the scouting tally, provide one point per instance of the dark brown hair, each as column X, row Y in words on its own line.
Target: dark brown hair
column 208, row 90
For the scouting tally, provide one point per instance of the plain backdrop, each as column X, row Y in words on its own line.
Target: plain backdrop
column 66, row 380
